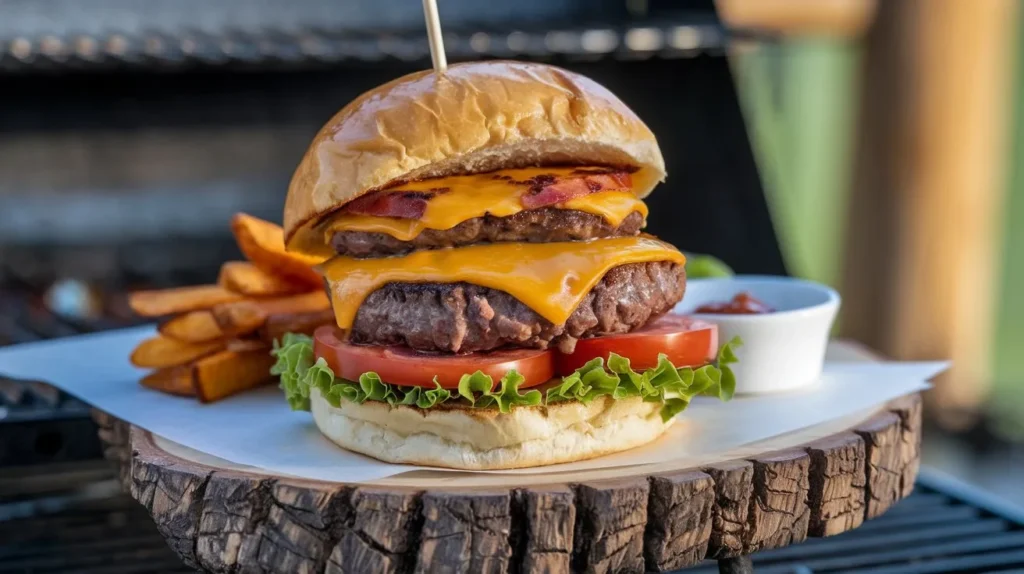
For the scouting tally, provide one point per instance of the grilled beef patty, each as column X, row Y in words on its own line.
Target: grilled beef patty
column 543, row 225
column 462, row 318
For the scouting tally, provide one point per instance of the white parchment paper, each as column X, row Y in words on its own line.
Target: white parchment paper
column 257, row 429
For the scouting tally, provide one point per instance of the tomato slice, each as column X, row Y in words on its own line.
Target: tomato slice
column 405, row 367
column 686, row 341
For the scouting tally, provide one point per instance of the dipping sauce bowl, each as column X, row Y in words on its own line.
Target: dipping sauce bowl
column 783, row 349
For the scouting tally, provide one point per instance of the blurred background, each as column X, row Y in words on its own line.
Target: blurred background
column 873, row 146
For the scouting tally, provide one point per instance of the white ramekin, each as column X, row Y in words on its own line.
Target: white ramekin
column 781, row 351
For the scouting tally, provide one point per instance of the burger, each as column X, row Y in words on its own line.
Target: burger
column 497, row 304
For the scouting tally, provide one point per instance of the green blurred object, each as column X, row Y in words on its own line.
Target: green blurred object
column 1008, row 367
column 799, row 99
column 706, row 266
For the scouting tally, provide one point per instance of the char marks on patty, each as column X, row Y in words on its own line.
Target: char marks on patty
column 543, row 225
column 463, row 318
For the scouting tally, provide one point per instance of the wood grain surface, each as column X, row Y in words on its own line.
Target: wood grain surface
column 222, row 519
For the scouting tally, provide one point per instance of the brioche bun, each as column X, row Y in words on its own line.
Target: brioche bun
column 486, row 439
column 474, row 118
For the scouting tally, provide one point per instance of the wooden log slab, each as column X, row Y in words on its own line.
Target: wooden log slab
column 734, row 487
column 835, row 483
column 883, row 473
column 610, row 521
column 381, row 535
column 817, row 482
column 678, row 520
column 778, row 507
column 545, row 522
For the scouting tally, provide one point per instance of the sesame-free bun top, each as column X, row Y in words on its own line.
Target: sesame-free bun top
column 475, row 117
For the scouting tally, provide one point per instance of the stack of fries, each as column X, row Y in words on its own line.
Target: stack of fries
column 217, row 338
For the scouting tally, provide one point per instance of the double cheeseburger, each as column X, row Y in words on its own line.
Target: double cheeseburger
column 497, row 305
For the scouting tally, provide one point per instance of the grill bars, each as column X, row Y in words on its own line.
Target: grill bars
column 287, row 48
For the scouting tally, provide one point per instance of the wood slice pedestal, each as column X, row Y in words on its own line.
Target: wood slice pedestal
column 820, row 481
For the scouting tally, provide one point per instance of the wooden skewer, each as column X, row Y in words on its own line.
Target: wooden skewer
column 434, row 36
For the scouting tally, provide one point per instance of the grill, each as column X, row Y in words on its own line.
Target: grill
column 73, row 519
column 105, row 34
column 48, row 292
column 283, row 48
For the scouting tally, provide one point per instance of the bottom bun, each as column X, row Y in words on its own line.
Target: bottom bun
column 485, row 439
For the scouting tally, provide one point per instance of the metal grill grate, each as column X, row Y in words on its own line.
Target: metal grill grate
column 48, row 293
column 674, row 38
column 38, row 423
column 74, row 519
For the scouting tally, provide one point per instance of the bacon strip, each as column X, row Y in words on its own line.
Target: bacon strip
column 401, row 204
column 550, row 190
column 539, row 191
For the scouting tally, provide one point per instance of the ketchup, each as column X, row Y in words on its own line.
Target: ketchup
column 742, row 304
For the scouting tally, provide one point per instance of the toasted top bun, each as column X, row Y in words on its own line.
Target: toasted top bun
column 485, row 439
column 474, row 118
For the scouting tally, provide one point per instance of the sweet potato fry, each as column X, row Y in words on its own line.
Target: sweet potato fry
column 247, row 316
column 242, row 318
column 247, row 345
column 245, row 278
column 174, row 381
column 192, row 327
column 161, row 352
column 279, row 324
column 181, row 300
column 228, row 373
column 262, row 243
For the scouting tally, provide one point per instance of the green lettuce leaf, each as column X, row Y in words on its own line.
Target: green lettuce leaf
column 478, row 389
column 672, row 387
column 722, row 380
column 294, row 358
column 425, row 398
column 508, row 394
column 584, row 384
column 472, row 386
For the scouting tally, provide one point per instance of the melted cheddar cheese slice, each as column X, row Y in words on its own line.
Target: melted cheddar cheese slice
column 468, row 197
column 550, row 278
